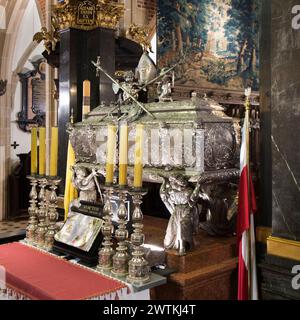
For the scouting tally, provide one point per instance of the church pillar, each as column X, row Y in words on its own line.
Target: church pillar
column 77, row 49
column 281, row 128
column 285, row 122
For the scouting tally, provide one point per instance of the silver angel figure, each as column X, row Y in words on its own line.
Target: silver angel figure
column 85, row 183
column 164, row 89
column 181, row 201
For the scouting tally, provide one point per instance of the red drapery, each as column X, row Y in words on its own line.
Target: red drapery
column 39, row 275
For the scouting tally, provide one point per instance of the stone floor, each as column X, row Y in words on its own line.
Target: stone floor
column 12, row 230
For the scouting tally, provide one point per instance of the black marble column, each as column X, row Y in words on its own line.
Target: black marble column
column 285, row 67
column 265, row 170
column 280, row 151
column 77, row 49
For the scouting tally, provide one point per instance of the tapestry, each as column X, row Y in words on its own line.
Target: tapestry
column 217, row 40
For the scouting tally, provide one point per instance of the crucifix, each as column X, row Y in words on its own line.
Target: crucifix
column 15, row 145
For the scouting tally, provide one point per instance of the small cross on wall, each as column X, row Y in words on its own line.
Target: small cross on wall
column 15, row 145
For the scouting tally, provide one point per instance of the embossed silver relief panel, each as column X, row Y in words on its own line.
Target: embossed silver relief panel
column 163, row 147
column 173, row 147
column 220, row 146
column 83, row 141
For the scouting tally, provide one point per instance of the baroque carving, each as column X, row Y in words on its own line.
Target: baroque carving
column 140, row 35
column 50, row 38
column 85, row 182
column 220, row 146
column 83, row 141
column 88, row 14
column 181, row 201
column 214, row 191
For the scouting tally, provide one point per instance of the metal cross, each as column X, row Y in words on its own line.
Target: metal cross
column 15, row 145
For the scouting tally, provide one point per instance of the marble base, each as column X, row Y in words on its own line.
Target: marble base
column 276, row 279
column 209, row 272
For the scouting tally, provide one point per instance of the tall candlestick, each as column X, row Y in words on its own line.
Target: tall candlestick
column 123, row 155
column 138, row 157
column 54, row 152
column 42, row 151
column 34, row 160
column 86, row 105
column 110, row 155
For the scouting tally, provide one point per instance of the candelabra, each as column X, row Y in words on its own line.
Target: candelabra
column 120, row 259
column 42, row 213
column 107, row 252
column 52, row 214
column 32, row 210
column 138, row 265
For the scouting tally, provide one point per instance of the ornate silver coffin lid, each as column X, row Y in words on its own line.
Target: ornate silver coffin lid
column 188, row 137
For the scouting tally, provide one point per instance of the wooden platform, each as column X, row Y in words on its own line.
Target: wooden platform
column 207, row 272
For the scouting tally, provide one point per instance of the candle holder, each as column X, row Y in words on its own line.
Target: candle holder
column 120, row 259
column 32, row 210
column 52, row 215
column 42, row 212
column 138, row 265
column 106, row 253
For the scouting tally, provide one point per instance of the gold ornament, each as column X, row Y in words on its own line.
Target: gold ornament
column 88, row 14
column 50, row 38
column 139, row 35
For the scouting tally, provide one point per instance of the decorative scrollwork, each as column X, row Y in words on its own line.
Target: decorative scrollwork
column 220, row 146
column 88, row 14
column 50, row 37
column 83, row 141
column 140, row 35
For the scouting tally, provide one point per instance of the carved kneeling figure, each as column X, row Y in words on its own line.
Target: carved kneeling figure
column 219, row 201
column 85, row 183
column 181, row 202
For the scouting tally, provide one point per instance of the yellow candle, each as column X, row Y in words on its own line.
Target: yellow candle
column 138, row 157
column 54, row 152
column 110, row 153
column 123, row 155
column 42, row 151
column 86, row 105
column 34, row 161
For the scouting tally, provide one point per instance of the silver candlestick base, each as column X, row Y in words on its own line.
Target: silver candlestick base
column 52, row 215
column 138, row 265
column 42, row 213
column 120, row 259
column 106, row 253
column 32, row 210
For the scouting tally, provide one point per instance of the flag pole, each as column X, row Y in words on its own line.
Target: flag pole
column 247, row 134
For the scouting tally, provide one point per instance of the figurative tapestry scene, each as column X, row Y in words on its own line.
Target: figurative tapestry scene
column 217, row 41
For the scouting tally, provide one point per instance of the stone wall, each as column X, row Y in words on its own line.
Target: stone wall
column 141, row 12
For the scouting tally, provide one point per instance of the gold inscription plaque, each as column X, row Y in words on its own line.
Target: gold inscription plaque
column 86, row 13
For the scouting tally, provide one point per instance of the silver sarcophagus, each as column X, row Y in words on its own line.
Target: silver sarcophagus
column 190, row 147
column 184, row 137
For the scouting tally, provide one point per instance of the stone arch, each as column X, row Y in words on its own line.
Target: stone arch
column 2, row 17
column 15, row 11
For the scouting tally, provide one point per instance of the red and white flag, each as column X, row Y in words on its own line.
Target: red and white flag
column 247, row 276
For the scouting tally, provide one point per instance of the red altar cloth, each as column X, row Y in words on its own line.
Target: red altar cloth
column 38, row 275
